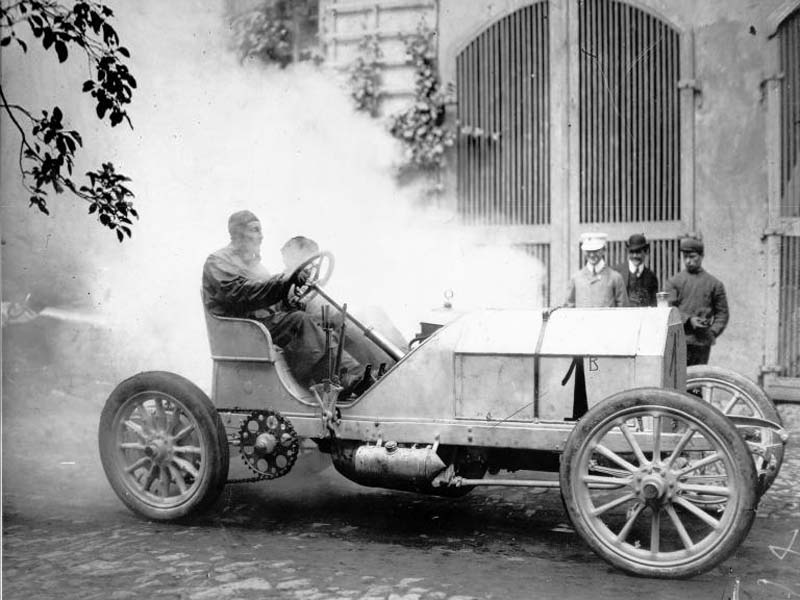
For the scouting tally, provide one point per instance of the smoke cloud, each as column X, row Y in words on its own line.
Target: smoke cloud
column 213, row 136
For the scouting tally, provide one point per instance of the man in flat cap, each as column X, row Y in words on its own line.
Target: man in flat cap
column 236, row 284
column 700, row 298
column 641, row 284
column 596, row 284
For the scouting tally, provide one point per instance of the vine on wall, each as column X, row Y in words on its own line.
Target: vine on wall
column 277, row 31
column 365, row 76
column 421, row 128
column 270, row 33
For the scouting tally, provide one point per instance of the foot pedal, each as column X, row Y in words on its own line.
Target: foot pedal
column 367, row 374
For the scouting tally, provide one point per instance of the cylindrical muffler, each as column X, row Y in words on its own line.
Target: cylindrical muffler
column 389, row 466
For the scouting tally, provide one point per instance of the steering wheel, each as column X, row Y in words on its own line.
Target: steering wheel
column 319, row 268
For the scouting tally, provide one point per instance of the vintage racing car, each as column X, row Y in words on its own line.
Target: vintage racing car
column 661, row 476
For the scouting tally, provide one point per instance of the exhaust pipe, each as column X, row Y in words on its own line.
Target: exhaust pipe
column 388, row 466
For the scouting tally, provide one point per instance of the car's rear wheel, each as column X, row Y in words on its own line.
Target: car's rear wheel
column 735, row 394
column 638, row 472
column 163, row 446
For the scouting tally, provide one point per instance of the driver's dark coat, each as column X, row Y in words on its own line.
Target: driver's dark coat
column 234, row 287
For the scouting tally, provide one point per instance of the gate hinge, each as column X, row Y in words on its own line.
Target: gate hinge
column 771, row 232
column 694, row 85
column 765, row 369
column 691, row 84
column 774, row 77
column 765, row 81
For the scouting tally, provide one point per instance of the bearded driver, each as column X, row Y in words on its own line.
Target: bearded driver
column 236, row 284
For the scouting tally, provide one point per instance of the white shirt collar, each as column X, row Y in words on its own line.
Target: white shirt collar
column 594, row 270
column 635, row 270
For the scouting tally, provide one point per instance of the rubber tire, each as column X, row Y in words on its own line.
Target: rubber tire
column 216, row 452
column 746, row 496
column 696, row 374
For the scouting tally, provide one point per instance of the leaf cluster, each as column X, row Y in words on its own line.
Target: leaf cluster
column 421, row 128
column 264, row 34
column 110, row 199
column 85, row 25
column 47, row 148
column 364, row 78
column 53, row 150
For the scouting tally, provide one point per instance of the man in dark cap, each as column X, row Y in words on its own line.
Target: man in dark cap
column 640, row 281
column 700, row 298
column 236, row 284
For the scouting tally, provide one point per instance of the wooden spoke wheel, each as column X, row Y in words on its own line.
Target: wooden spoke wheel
column 735, row 394
column 638, row 472
column 163, row 446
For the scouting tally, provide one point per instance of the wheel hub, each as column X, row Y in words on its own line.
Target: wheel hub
column 265, row 443
column 158, row 450
column 652, row 488
column 268, row 444
column 654, row 484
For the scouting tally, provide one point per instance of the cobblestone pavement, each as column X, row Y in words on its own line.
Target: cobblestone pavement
column 330, row 539
column 314, row 535
column 783, row 498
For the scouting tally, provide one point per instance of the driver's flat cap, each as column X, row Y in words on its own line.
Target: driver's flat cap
column 239, row 219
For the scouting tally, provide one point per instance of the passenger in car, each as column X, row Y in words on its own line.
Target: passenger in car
column 237, row 284
column 294, row 253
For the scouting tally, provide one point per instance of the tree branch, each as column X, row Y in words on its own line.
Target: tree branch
column 11, row 116
column 21, row 109
column 46, row 147
column 21, row 166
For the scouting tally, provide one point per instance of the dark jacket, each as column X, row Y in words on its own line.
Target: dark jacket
column 641, row 290
column 235, row 288
column 699, row 295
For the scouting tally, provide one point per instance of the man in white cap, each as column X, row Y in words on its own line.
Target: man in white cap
column 596, row 284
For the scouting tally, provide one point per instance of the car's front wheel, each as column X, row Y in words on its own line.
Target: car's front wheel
column 163, row 446
column 658, row 484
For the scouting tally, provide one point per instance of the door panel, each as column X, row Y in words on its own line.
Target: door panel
column 572, row 117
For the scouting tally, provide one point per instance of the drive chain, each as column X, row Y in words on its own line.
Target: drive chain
column 243, row 411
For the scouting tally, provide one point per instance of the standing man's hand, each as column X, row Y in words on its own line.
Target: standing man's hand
column 698, row 322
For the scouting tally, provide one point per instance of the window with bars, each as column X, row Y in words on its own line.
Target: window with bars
column 503, row 82
column 789, row 303
column 629, row 114
column 664, row 259
column 789, row 57
column 788, row 40
column 540, row 252
column 628, row 111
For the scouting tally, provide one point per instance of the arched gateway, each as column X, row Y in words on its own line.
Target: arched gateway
column 575, row 122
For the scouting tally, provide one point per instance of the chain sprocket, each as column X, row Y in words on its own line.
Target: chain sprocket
column 268, row 444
